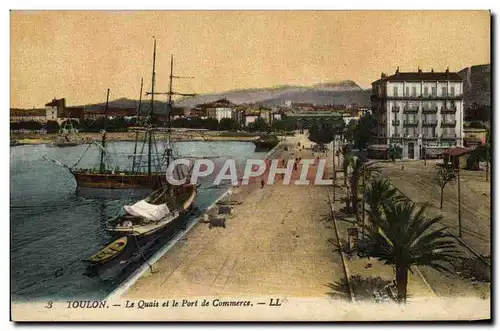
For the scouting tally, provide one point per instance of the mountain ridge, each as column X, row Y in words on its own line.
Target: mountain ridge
column 477, row 88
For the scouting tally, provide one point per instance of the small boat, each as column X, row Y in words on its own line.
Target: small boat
column 108, row 253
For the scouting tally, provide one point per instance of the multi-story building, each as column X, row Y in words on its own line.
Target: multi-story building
column 24, row 115
column 54, row 109
column 419, row 111
column 219, row 109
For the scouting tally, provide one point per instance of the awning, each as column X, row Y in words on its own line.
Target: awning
column 457, row 151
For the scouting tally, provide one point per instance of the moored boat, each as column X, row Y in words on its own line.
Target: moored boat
column 111, row 251
column 164, row 208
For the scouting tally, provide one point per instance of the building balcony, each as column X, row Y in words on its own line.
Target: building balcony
column 452, row 97
column 430, row 110
column 395, row 135
column 423, row 97
column 451, row 110
column 429, row 123
column 395, row 109
column 410, row 123
column 429, row 137
column 411, row 110
column 449, row 124
column 395, row 122
column 449, row 136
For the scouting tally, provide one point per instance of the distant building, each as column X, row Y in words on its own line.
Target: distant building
column 74, row 112
column 302, row 106
column 474, row 136
column 419, row 111
column 219, row 109
column 25, row 115
column 54, row 108
column 97, row 112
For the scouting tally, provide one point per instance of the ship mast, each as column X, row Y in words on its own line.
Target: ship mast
column 138, row 116
column 152, row 109
column 169, row 123
column 171, row 93
column 103, row 141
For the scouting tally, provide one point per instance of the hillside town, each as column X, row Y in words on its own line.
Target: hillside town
column 423, row 113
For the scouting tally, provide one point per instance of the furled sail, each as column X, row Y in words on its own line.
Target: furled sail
column 148, row 211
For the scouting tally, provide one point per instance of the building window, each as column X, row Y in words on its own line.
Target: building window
column 433, row 91
column 395, row 91
column 443, row 91
column 410, row 131
column 452, row 91
column 414, row 91
column 426, row 91
column 429, row 132
column 407, row 91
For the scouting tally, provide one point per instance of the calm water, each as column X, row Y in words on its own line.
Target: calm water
column 53, row 226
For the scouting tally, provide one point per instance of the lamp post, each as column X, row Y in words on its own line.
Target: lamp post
column 459, row 204
column 364, row 189
column 334, row 169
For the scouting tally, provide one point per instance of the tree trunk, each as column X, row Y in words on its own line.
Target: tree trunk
column 354, row 195
column 442, row 190
column 401, row 283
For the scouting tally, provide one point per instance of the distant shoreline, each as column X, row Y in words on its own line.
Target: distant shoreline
column 18, row 139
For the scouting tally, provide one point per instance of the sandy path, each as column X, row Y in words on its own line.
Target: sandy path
column 275, row 244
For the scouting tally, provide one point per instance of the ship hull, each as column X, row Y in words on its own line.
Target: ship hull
column 160, row 228
column 119, row 181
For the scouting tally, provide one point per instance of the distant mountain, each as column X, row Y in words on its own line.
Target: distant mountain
column 477, row 84
column 160, row 106
column 344, row 92
column 476, row 89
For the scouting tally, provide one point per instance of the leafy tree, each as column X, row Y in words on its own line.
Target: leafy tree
column 445, row 175
column 350, row 130
column 286, row 124
column 228, row 124
column 364, row 131
column 211, row 124
column 324, row 133
column 478, row 112
column 260, row 125
column 321, row 134
column 482, row 153
column 405, row 238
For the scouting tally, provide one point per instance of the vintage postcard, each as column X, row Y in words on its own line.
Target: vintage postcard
column 250, row 165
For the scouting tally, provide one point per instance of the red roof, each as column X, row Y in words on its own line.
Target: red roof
column 457, row 151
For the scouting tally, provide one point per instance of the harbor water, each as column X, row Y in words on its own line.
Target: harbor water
column 54, row 225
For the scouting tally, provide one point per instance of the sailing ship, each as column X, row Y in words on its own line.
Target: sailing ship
column 163, row 210
column 139, row 176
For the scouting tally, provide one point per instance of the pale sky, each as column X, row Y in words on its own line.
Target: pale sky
column 79, row 54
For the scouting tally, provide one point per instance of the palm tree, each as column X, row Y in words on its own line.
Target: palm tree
column 379, row 192
column 359, row 169
column 404, row 238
